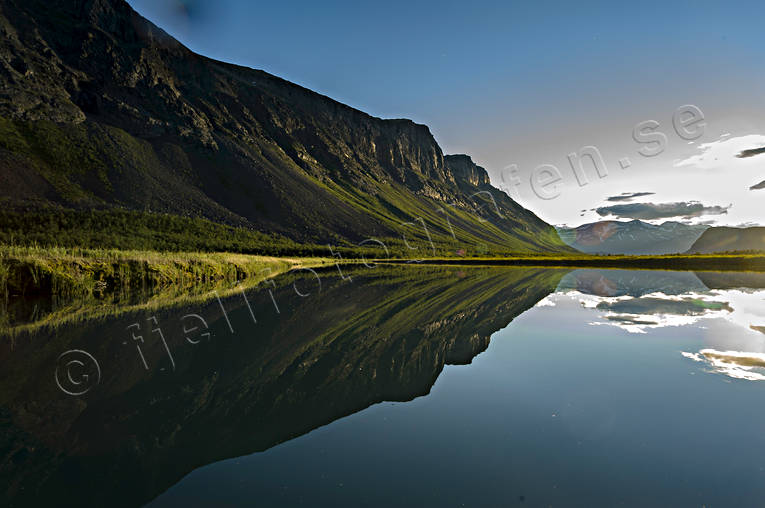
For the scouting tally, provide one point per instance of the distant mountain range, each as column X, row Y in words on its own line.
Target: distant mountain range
column 726, row 239
column 633, row 237
column 101, row 110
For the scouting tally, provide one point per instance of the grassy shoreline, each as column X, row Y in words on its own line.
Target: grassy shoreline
column 67, row 272
column 69, row 285
column 705, row 262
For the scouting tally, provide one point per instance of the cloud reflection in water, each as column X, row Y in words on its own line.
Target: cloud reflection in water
column 729, row 307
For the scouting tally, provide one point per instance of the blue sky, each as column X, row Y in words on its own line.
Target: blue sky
column 510, row 83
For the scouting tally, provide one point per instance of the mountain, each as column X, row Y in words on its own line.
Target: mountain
column 726, row 239
column 100, row 110
column 633, row 237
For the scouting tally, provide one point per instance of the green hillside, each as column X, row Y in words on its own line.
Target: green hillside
column 726, row 239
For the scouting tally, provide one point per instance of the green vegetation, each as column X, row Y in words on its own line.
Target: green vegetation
column 62, row 157
column 68, row 272
column 392, row 204
column 118, row 228
column 132, row 230
column 739, row 261
column 718, row 239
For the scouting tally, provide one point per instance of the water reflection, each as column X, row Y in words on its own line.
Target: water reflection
column 735, row 364
column 640, row 301
column 183, row 386
column 634, row 283
column 161, row 390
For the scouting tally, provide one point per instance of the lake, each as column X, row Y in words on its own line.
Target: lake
column 394, row 386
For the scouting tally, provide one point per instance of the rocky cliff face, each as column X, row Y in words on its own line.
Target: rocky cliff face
column 463, row 169
column 130, row 117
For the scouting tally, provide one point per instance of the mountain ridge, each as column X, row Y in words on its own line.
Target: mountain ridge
column 99, row 108
column 631, row 237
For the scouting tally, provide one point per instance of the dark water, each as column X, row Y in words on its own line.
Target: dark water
column 406, row 386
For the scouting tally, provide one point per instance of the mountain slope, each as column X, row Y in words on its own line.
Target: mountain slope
column 633, row 237
column 726, row 239
column 99, row 109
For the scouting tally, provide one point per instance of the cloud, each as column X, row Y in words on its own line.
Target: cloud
column 629, row 196
column 652, row 211
column 750, row 152
column 720, row 153
column 735, row 156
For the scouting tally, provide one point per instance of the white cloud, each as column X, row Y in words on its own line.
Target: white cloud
column 723, row 152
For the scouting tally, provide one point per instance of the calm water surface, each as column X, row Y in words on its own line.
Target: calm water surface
column 404, row 386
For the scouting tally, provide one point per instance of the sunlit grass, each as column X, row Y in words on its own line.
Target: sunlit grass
column 87, row 283
column 72, row 271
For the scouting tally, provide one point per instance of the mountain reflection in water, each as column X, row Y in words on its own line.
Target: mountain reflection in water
column 275, row 366
column 186, row 385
